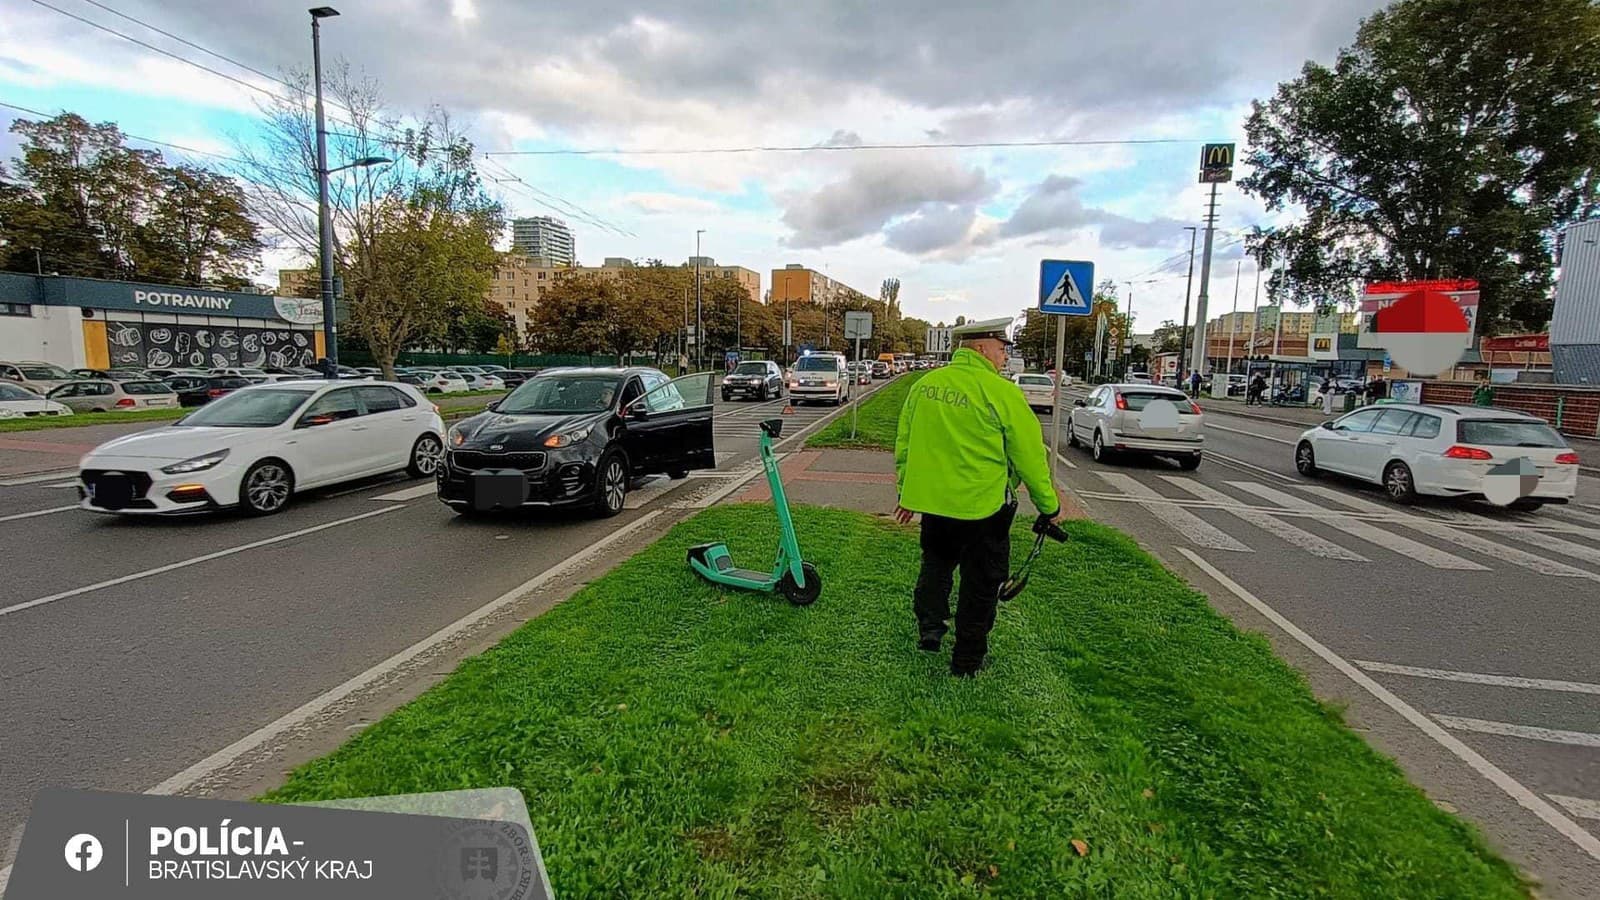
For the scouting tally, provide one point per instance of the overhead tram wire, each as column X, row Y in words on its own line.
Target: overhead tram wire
column 572, row 209
column 132, row 137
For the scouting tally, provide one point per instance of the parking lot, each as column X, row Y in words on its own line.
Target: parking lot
column 1477, row 619
column 205, row 654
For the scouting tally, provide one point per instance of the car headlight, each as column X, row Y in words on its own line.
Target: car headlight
column 569, row 438
column 456, row 436
column 728, row 379
column 199, row 463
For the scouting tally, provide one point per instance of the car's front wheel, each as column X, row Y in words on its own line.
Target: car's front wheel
column 1305, row 459
column 611, row 484
column 1399, row 484
column 266, row 488
column 1189, row 463
column 425, row 456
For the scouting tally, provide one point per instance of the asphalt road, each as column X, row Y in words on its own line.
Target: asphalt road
column 1482, row 620
column 152, row 644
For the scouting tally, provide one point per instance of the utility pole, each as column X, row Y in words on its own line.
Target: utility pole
column 1255, row 314
column 1188, row 286
column 330, row 328
column 1128, row 328
column 1233, row 320
column 699, row 317
column 1199, row 359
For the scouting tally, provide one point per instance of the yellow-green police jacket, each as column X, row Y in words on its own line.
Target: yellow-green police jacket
column 966, row 435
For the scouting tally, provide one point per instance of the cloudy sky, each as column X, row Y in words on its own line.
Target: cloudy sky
column 963, row 228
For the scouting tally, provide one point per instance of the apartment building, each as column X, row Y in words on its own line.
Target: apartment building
column 798, row 284
column 544, row 237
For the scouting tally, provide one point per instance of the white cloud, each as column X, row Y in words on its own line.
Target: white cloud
column 658, row 203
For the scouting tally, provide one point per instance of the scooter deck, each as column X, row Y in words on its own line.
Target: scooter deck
column 747, row 574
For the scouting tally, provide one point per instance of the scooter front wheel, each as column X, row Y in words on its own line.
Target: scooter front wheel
column 801, row 596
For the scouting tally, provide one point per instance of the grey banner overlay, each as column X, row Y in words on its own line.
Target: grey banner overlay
column 93, row 844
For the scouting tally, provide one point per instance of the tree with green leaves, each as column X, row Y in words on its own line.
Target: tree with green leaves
column 1452, row 139
column 413, row 238
column 84, row 203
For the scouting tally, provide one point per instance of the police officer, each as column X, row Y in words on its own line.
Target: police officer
column 966, row 438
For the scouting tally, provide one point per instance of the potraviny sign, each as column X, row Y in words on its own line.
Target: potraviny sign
column 94, row 293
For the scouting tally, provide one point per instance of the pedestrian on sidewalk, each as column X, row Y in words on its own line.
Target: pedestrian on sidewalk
column 1483, row 394
column 1327, row 395
column 1258, row 387
column 965, row 441
column 1194, row 383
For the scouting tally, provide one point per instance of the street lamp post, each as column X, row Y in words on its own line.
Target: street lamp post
column 1188, row 286
column 1129, row 336
column 330, row 334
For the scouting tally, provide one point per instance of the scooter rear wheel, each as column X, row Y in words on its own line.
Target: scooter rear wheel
column 801, row 596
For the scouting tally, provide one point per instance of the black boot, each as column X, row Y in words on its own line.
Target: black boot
column 930, row 641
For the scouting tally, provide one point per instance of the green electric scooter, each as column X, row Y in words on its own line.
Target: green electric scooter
column 793, row 577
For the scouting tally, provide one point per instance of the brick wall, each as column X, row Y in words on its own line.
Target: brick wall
column 1579, row 407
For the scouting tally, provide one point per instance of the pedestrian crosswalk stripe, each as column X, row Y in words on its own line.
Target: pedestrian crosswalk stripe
column 1527, row 732
column 1305, row 540
column 1568, row 512
column 1548, row 541
column 1539, row 684
column 1191, row 526
column 1431, row 556
column 1456, row 536
column 1578, row 806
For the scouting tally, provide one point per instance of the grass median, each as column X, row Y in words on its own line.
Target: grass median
column 675, row 739
column 879, row 418
column 40, row 423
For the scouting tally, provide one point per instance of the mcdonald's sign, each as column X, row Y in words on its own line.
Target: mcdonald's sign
column 1216, row 163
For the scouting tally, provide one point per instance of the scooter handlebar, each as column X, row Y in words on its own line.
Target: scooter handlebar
column 1049, row 529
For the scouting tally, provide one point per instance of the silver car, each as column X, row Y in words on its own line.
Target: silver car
column 105, row 395
column 1138, row 419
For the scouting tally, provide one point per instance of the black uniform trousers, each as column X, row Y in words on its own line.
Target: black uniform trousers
column 982, row 548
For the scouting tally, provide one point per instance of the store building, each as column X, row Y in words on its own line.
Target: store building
column 88, row 322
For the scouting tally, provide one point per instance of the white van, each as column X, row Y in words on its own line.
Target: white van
column 822, row 377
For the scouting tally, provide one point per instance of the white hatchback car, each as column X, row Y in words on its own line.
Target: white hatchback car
column 255, row 447
column 17, row 401
column 1444, row 451
column 1138, row 418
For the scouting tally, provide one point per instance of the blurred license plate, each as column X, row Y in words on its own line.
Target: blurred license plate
column 498, row 489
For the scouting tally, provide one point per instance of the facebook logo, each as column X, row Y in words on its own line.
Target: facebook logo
column 84, row 853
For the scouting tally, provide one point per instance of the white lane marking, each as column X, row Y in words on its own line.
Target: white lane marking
column 1248, row 466
column 310, row 710
column 38, row 512
column 410, row 493
column 1494, row 774
column 1548, row 541
column 183, row 564
column 63, row 484
column 1526, row 732
column 1578, row 806
column 1568, row 512
column 1538, row 684
column 1063, row 457
column 1460, row 538
column 1186, row 523
column 35, row 479
column 1305, row 540
column 1275, row 440
column 1388, row 540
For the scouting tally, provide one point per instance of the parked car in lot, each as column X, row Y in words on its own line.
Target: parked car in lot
column 753, row 380
column 200, row 391
column 482, row 381
column 105, row 395
column 256, row 447
column 576, row 437
column 820, row 377
column 164, row 374
column 1445, row 451
column 114, row 374
column 1039, row 390
column 443, row 381
column 237, row 372
column 515, row 377
column 39, row 377
column 1117, row 418
column 18, row 402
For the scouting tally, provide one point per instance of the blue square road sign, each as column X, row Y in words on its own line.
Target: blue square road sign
column 1066, row 286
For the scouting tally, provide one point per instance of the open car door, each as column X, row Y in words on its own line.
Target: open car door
column 669, row 428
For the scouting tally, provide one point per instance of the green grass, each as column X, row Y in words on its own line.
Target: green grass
column 880, row 416
column 39, row 423
column 673, row 740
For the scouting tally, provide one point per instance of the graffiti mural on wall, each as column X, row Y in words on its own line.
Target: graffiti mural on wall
column 166, row 346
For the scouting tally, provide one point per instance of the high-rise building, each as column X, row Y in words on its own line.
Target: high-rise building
column 545, row 237
column 798, row 284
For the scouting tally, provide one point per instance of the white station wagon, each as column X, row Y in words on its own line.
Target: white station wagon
column 1445, row 451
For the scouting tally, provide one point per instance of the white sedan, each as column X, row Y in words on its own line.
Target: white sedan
column 1470, row 452
column 1040, row 390
column 17, row 401
column 442, row 381
column 255, row 447
column 477, row 381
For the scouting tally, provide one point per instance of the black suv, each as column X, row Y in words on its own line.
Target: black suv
column 578, row 437
column 755, row 379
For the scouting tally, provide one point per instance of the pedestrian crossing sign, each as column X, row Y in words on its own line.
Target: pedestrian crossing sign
column 1066, row 286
